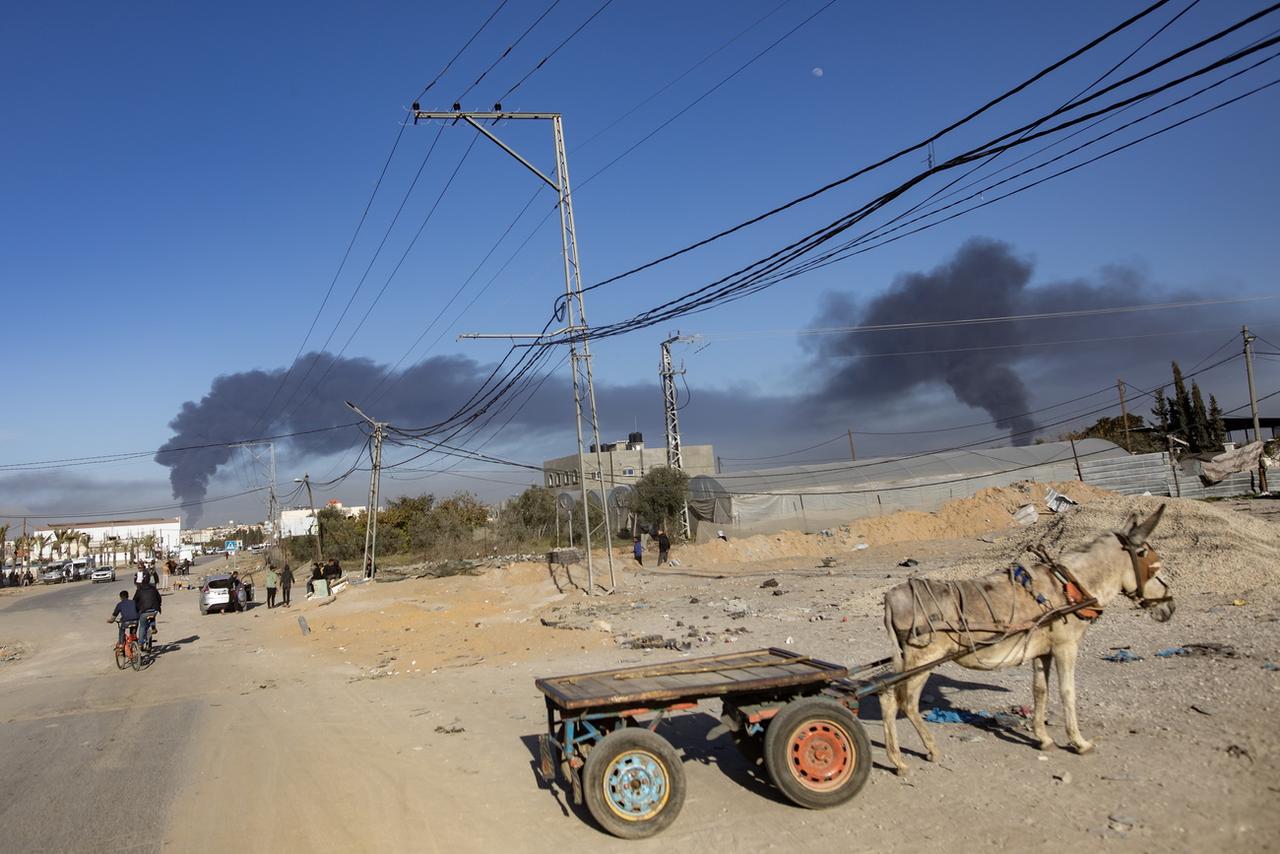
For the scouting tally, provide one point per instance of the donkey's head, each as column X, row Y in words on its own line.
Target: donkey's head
column 1143, row 581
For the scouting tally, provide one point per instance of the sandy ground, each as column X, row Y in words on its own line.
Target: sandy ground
column 406, row 719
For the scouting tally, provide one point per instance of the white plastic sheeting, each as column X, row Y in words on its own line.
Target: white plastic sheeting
column 810, row 497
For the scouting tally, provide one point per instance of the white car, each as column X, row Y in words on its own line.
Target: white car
column 103, row 573
column 215, row 594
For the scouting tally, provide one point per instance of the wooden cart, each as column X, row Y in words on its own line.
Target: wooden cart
column 795, row 714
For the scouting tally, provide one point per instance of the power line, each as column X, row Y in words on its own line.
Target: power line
column 889, row 159
column 554, row 51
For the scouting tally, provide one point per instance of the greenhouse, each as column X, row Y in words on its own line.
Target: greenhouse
column 811, row 497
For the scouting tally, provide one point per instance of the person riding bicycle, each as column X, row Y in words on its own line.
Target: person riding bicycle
column 126, row 611
column 147, row 600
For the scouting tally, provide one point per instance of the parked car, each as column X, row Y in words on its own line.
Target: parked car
column 215, row 594
column 54, row 573
column 81, row 568
column 104, row 573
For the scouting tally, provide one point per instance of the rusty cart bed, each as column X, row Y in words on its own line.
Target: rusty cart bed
column 794, row 714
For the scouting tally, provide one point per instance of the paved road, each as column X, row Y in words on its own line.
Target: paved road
column 89, row 755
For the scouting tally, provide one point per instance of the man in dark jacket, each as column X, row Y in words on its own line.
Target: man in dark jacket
column 147, row 600
column 286, row 582
column 126, row 611
column 664, row 547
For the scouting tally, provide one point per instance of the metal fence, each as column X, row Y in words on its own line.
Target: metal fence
column 1152, row 473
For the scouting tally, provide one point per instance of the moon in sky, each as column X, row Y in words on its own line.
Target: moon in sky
column 817, row 72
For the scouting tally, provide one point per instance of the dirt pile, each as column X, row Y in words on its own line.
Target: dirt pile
column 1206, row 548
column 989, row 510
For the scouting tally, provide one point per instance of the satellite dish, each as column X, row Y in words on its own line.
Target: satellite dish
column 619, row 495
column 565, row 500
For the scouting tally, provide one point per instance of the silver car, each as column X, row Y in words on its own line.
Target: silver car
column 216, row 593
column 103, row 573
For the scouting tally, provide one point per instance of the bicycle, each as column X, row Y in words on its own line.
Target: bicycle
column 147, row 647
column 129, row 654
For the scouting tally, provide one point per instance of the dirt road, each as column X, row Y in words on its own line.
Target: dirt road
column 405, row 721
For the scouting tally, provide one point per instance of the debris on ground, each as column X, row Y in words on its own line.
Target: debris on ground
column 1027, row 514
column 452, row 729
column 1056, row 501
column 1121, row 655
column 909, row 562
column 1213, row 650
column 302, row 624
column 828, row 561
column 1235, row 751
column 772, row 582
column 660, row 642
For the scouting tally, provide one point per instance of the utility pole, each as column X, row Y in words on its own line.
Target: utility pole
column 853, row 455
column 371, row 510
column 576, row 332
column 1124, row 416
column 671, row 418
column 305, row 480
column 1253, row 406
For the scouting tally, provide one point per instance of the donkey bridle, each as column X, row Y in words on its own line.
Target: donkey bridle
column 1142, row 573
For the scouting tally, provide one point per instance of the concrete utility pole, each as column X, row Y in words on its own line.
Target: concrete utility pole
column 1124, row 416
column 1253, row 405
column 671, row 417
column 305, row 480
column 576, row 332
column 370, row 566
column 853, row 454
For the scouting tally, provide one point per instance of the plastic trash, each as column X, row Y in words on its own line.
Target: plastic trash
column 1121, row 656
column 1171, row 651
column 957, row 716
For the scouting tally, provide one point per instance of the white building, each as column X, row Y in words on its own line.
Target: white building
column 115, row 537
column 300, row 522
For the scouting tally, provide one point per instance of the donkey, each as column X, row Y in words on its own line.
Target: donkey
column 1007, row 618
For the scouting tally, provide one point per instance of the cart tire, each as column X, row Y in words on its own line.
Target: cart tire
column 634, row 783
column 817, row 753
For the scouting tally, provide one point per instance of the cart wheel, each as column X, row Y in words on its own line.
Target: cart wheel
column 817, row 753
column 634, row 783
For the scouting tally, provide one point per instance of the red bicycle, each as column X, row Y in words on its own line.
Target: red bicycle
column 129, row 653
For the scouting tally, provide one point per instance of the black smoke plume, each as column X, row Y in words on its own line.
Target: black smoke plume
column 979, row 363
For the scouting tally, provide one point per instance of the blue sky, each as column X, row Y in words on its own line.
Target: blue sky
column 180, row 184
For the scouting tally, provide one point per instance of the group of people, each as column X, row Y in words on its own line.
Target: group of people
column 281, row 580
column 143, row 609
column 664, row 547
column 329, row 571
column 17, row 578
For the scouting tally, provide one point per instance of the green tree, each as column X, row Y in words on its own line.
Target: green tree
column 1217, row 427
column 1200, row 437
column 1112, row 429
column 659, row 496
column 1180, row 414
column 1161, row 412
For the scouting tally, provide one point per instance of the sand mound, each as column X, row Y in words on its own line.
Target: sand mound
column 1205, row 548
column 991, row 509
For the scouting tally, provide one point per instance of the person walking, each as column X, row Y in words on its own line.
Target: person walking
column 286, row 582
column 273, row 581
column 637, row 549
column 664, row 547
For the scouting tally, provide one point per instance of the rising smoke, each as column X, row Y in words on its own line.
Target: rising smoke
column 985, row 278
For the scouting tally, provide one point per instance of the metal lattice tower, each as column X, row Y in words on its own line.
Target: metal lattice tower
column 576, row 332
column 671, row 417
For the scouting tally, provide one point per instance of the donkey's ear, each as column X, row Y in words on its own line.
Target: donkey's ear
column 1142, row 533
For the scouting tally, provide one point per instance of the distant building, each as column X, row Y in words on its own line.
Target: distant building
column 119, row 536
column 299, row 521
column 624, row 463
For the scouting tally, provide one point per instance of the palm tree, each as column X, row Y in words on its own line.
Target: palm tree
column 149, row 543
column 83, row 541
column 4, row 535
column 60, row 541
column 40, row 541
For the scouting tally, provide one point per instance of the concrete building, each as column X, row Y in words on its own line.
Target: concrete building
column 624, row 463
column 114, row 537
column 299, row 522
